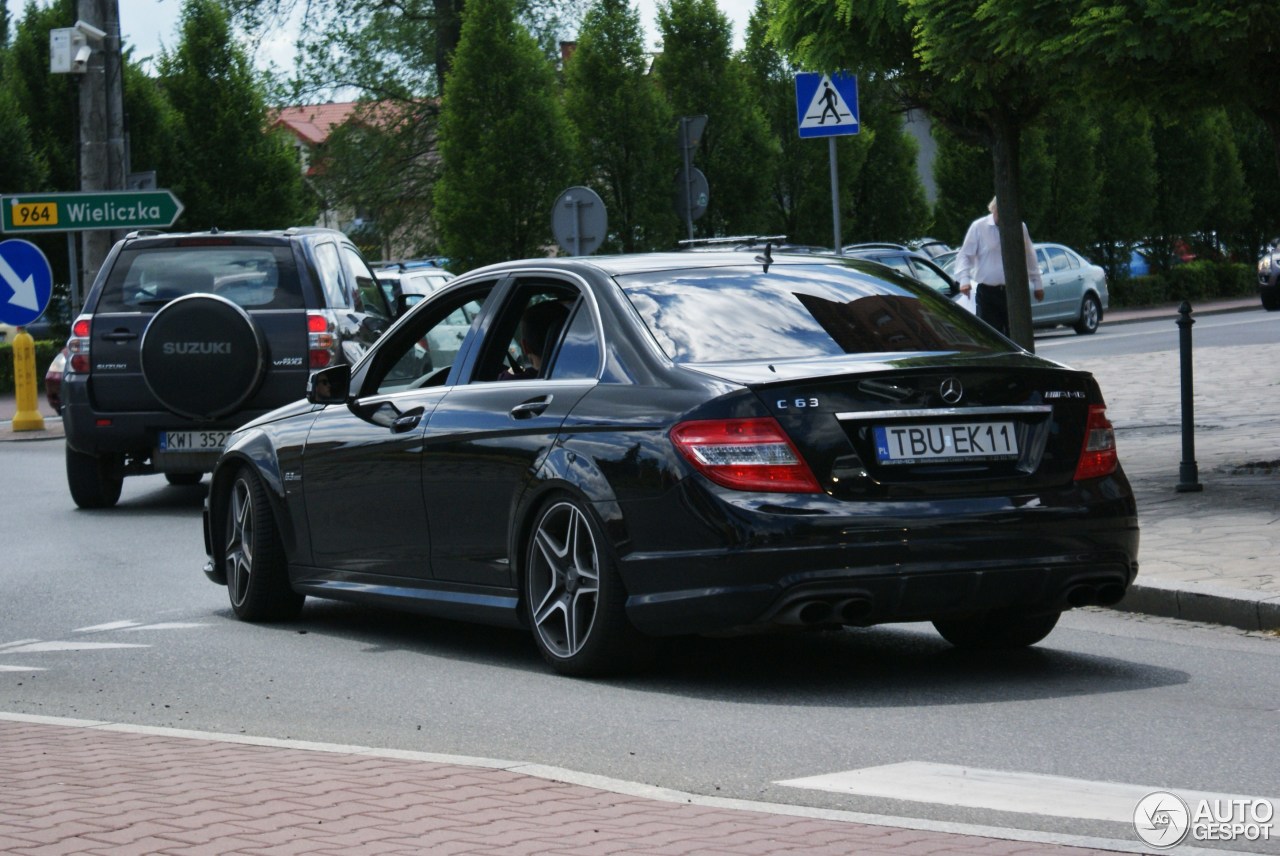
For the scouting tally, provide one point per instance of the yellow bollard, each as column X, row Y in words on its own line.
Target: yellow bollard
column 24, row 380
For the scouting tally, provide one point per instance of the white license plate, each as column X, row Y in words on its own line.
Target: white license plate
column 193, row 441
column 957, row 441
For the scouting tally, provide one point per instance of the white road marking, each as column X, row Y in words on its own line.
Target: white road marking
column 997, row 790
column 4, row 668
column 113, row 625
column 56, row 645
column 168, row 625
column 7, row 645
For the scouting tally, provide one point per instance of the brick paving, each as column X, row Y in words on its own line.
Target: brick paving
column 74, row 789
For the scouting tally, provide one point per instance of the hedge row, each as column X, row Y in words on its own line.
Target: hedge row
column 1194, row 281
column 46, row 350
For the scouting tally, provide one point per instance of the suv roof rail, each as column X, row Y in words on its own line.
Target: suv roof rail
column 143, row 233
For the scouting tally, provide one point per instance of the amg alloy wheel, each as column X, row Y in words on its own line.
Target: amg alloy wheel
column 253, row 559
column 574, row 596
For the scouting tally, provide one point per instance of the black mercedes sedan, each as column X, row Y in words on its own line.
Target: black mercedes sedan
column 617, row 449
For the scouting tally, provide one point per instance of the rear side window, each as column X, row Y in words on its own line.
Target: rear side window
column 798, row 311
column 254, row 277
column 329, row 269
column 369, row 296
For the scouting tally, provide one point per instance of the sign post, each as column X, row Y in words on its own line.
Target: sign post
column 26, row 282
column 827, row 106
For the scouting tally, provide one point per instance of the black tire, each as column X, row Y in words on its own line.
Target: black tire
column 574, row 597
column 1090, row 316
column 95, row 480
column 253, row 559
column 1271, row 299
column 183, row 479
column 997, row 630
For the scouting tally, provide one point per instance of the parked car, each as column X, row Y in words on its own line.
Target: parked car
column 53, row 381
column 185, row 337
column 1269, row 278
column 1075, row 289
column 405, row 283
column 913, row 264
column 713, row 442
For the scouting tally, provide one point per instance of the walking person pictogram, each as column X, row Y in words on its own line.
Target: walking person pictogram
column 829, row 99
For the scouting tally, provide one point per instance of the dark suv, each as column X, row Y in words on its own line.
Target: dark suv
column 184, row 337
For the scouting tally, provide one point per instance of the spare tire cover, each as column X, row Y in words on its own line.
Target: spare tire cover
column 202, row 356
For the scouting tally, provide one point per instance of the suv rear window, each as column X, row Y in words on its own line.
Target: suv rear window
column 253, row 277
column 797, row 311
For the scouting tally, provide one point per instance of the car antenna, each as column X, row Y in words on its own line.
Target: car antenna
column 767, row 258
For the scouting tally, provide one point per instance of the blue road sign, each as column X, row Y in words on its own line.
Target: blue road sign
column 827, row 104
column 26, row 281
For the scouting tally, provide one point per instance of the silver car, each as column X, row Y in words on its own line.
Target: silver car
column 1075, row 289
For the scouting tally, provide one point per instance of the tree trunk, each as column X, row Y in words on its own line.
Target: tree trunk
column 1005, row 137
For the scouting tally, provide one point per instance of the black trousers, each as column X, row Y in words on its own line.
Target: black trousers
column 993, row 307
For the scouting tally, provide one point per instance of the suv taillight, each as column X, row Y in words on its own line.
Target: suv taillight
column 322, row 341
column 78, row 344
column 1098, row 456
column 745, row 454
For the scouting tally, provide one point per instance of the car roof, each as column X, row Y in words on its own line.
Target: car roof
column 639, row 263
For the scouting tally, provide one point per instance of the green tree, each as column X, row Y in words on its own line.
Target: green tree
column 623, row 126
column 888, row 199
column 506, row 148
column 954, row 59
column 233, row 173
column 700, row 77
column 800, row 191
column 1126, row 158
column 48, row 102
column 377, row 163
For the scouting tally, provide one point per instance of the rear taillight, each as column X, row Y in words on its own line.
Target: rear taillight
column 1098, row 457
column 745, row 454
column 78, row 344
column 322, row 342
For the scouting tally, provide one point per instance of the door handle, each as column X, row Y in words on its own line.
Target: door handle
column 532, row 407
column 405, row 423
column 120, row 336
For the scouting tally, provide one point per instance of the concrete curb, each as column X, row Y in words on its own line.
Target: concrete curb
column 1206, row 603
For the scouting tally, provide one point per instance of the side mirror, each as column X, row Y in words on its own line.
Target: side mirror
column 330, row 386
column 402, row 304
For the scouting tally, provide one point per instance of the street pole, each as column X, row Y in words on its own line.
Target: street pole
column 102, row 164
column 835, row 195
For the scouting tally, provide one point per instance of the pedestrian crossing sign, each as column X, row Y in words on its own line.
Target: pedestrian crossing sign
column 827, row 104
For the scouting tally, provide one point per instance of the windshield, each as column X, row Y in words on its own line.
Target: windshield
column 797, row 311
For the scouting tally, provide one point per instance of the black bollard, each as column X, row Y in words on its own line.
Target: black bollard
column 1188, row 472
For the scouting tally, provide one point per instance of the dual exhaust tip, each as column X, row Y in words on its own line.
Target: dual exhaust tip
column 811, row 613
column 857, row 610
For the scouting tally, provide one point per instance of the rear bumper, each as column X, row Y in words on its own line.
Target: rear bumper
column 135, row 434
column 896, row 562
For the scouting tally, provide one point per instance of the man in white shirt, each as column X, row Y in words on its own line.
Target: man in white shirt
column 980, row 269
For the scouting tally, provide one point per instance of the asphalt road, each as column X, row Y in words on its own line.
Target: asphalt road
column 106, row 615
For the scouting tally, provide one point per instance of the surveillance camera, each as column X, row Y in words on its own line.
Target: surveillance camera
column 81, row 60
column 91, row 31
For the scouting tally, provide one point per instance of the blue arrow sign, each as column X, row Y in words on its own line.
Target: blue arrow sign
column 26, row 282
column 827, row 104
